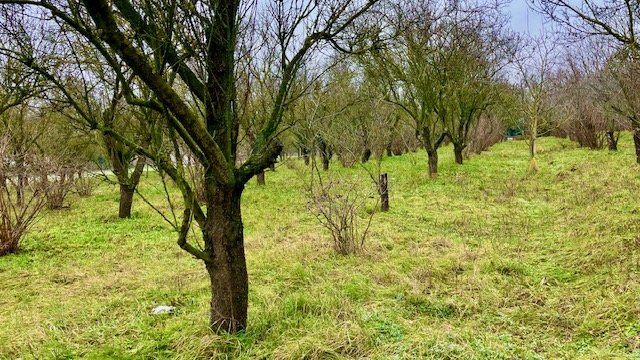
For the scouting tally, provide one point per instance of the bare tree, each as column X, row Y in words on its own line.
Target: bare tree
column 442, row 67
column 404, row 71
column 617, row 20
column 20, row 203
column 488, row 131
column 535, row 64
column 22, row 194
column 468, row 65
column 378, row 125
column 589, row 89
column 84, row 87
column 343, row 112
column 197, row 42
column 323, row 121
column 17, row 84
column 302, row 116
column 620, row 91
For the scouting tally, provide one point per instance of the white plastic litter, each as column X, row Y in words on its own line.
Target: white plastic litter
column 164, row 309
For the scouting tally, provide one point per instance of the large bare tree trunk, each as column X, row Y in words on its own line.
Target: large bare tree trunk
column 128, row 183
column 431, row 147
column 126, row 201
column 433, row 163
column 217, row 138
column 457, row 150
column 227, row 268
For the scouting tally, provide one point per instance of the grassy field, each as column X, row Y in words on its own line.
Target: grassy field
column 486, row 262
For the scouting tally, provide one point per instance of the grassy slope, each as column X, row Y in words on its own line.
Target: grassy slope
column 485, row 262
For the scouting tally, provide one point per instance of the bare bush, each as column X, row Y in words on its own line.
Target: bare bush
column 57, row 182
column 587, row 131
column 20, row 200
column 84, row 184
column 588, row 122
column 486, row 133
column 589, row 93
column 347, row 158
column 336, row 204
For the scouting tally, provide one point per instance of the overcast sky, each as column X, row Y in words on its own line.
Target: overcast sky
column 523, row 19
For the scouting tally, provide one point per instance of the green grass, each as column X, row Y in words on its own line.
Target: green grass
column 486, row 262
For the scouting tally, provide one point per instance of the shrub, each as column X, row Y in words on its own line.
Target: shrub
column 337, row 204
column 486, row 133
column 84, row 184
column 57, row 182
column 21, row 198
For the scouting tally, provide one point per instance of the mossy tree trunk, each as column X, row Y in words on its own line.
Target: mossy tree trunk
column 431, row 148
column 227, row 266
column 458, row 152
column 432, row 156
column 127, row 180
column 126, row 201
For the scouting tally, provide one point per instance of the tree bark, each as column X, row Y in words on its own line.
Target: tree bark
column 433, row 163
column 305, row 155
column 260, row 178
column 366, row 155
column 126, row 201
column 533, row 147
column 533, row 150
column 325, row 153
column 128, row 182
column 384, row 192
column 636, row 141
column 227, row 267
column 612, row 141
column 457, row 150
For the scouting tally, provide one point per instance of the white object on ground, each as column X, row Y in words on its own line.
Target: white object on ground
column 164, row 309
